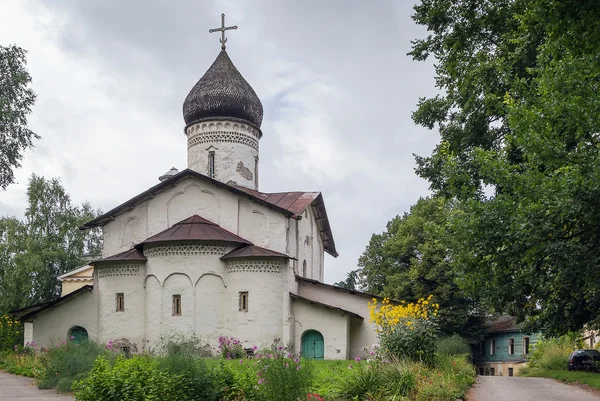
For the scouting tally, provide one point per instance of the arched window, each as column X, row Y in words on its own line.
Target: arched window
column 304, row 268
column 313, row 345
column 77, row 334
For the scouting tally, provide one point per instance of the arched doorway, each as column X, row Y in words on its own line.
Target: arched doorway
column 313, row 345
column 77, row 334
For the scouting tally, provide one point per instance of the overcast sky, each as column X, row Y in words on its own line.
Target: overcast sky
column 334, row 79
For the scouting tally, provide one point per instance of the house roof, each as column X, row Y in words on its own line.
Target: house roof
column 194, row 228
column 75, row 272
column 253, row 251
column 39, row 308
column 341, row 289
column 131, row 254
column 291, row 204
column 503, row 324
column 313, row 302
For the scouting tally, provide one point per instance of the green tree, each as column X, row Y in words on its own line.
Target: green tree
column 16, row 101
column 34, row 252
column 413, row 259
column 351, row 281
column 519, row 151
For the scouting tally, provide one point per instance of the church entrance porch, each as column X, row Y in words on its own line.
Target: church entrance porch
column 313, row 345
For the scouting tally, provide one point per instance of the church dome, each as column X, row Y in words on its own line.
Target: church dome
column 222, row 92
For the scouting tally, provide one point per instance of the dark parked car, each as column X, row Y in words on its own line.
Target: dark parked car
column 584, row 359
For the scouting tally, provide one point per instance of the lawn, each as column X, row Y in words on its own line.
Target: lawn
column 588, row 378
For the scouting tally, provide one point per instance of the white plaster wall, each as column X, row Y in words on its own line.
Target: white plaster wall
column 310, row 247
column 27, row 332
column 232, row 143
column 331, row 324
column 52, row 326
column 194, row 196
column 362, row 334
column 126, row 278
column 192, row 271
column 263, row 322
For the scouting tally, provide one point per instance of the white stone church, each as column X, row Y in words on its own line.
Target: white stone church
column 204, row 253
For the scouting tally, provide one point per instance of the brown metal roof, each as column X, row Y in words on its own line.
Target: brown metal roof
column 195, row 228
column 299, row 298
column 296, row 203
column 131, row 254
column 253, row 251
column 291, row 204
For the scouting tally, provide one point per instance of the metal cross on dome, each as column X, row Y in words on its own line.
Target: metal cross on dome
column 222, row 29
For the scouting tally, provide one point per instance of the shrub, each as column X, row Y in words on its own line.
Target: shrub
column 282, row 376
column 364, row 380
column 179, row 344
column 11, row 333
column 68, row 362
column 407, row 330
column 553, row 353
column 21, row 363
column 137, row 378
column 231, row 348
column 453, row 345
column 193, row 373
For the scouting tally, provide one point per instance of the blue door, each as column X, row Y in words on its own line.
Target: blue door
column 313, row 346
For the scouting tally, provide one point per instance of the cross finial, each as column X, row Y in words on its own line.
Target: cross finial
column 222, row 29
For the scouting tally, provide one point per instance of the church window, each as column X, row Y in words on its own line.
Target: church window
column 120, row 302
column 211, row 164
column 304, row 268
column 176, row 305
column 244, row 301
column 256, row 171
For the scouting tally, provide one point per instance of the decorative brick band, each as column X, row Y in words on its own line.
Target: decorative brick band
column 118, row 270
column 189, row 249
column 223, row 136
column 211, row 126
column 254, row 267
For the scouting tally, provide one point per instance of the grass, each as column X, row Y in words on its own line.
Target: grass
column 589, row 378
column 342, row 380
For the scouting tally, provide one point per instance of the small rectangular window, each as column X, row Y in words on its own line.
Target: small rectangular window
column 120, row 302
column 525, row 345
column 492, row 372
column 211, row 164
column 510, row 372
column 493, row 347
column 176, row 305
column 511, row 346
column 244, row 301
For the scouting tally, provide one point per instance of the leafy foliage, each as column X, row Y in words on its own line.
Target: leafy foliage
column 16, row 101
column 553, row 353
column 453, row 345
column 407, row 331
column 46, row 244
column 11, row 333
column 519, row 151
column 413, row 258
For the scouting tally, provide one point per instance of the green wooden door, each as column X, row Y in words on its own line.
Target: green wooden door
column 78, row 334
column 313, row 346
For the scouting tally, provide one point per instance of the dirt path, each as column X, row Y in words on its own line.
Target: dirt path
column 22, row 388
column 503, row 388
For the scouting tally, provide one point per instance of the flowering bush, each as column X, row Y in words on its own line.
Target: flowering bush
column 281, row 376
column 11, row 333
column 231, row 348
column 407, row 330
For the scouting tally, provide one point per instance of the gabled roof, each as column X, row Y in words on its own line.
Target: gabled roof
column 297, row 203
column 341, row 289
column 131, row 254
column 42, row 307
column 253, row 251
column 75, row 272
column 503, row 324
column 291, row 204
column 195, row 228
column 299, row 298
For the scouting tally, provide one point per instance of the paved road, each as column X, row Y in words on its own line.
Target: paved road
column 23, row 389
column 503, row 388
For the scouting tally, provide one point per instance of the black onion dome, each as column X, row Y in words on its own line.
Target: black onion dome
column 222, row 92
